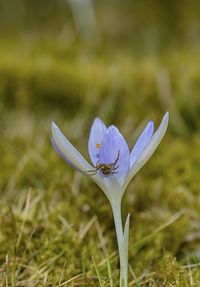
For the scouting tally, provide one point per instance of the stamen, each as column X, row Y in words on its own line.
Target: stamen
column 98, row 145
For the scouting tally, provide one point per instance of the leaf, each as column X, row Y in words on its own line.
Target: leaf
column 124, row 252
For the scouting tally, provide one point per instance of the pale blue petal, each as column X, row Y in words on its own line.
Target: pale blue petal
column 68, row 151
column 97, row 133
column 141, row 143
column 58, row 150
column 113, row 144
column 149, row 149
column 62, row 154
column 74, row 158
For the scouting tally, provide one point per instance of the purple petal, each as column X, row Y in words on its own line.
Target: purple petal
column 141, row 143
column 114, row 144
column 97, row 133
column 149, row 149
column 62, row 154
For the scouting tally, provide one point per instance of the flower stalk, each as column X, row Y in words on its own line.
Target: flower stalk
column 120, row 238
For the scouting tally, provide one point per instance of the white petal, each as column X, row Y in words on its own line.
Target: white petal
column 68, row 150
column 149, row 150
column 73, row 155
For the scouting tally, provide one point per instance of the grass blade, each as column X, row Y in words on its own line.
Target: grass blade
column 97, row 272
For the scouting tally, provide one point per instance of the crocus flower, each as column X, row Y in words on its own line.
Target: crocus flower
column 104, row 146
column 113, row 166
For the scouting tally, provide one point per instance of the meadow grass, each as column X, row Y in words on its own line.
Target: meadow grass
column 56, row 225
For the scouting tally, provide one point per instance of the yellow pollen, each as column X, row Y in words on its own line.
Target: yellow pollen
column 98, row 145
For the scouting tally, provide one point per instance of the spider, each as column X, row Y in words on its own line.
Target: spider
column 105, row 168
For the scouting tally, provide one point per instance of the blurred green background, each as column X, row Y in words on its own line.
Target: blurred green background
column 127, row 62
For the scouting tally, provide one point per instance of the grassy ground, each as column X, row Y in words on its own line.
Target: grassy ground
column 53, row 220
column 56, row 226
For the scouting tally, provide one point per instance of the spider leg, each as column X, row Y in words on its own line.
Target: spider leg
column 117, row 158
column 114, row 172
column 91, row 174
column 94, row 171
column 115, row 167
